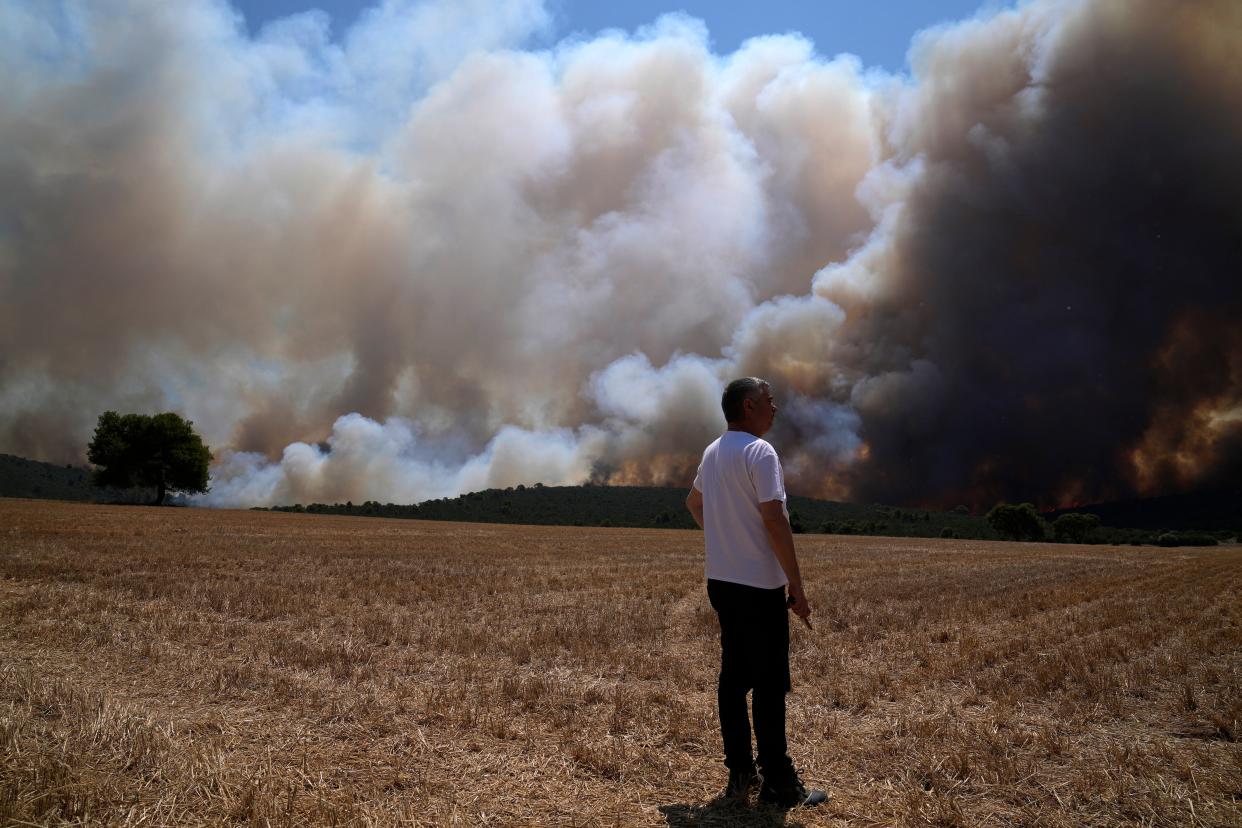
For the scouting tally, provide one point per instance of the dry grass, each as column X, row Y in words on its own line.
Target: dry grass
column 195, row 667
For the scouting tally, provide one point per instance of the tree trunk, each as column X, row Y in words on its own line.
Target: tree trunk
column 160, row 492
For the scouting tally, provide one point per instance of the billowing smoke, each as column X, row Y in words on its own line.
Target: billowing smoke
column 426, row 257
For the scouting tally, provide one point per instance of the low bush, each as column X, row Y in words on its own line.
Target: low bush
column 1186, row 539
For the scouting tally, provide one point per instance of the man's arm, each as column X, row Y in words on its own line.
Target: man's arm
column 695, row 504
column 781, row 538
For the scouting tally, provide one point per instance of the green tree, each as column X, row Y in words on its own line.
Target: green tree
column 159, row 451
column 1017, row 522
column 1074, row 527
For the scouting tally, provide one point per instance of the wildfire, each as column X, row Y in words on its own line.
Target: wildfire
column 1201, row 412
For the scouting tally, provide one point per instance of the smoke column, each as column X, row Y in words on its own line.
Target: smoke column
column 425, row 258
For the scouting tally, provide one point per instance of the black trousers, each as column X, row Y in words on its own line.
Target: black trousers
column 754, row 656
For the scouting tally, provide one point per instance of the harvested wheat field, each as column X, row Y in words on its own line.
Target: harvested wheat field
column 181, row 666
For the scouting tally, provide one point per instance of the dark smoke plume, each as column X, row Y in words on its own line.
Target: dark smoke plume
column 1073, row 220
column 420, row 259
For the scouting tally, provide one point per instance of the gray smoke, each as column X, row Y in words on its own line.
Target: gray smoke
column 423, row 259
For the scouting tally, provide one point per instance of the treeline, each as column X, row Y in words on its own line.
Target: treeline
column 653, row 507
column 1214, row 516
column 1023, row 522
column 663, row 507
column 538, row 504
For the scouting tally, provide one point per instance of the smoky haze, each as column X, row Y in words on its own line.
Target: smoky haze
column 424, row 258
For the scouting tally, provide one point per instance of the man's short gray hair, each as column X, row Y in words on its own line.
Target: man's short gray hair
column 736, row 393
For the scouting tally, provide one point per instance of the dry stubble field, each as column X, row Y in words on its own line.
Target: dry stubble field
column 178, row 666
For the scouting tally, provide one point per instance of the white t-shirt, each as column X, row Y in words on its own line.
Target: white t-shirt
column 738, row 472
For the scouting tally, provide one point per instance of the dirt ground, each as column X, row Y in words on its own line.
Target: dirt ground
column 195, row 667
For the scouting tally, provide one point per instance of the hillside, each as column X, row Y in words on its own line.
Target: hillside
column 1211, row 511
column 20, row 477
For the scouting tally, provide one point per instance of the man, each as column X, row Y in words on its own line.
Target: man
column 738, row 499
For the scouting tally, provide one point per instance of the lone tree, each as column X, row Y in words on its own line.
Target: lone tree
column 1075, row 527
column 159, row 451
column 1017, row 522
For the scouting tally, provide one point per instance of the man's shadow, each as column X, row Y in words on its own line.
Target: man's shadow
column 724, row 813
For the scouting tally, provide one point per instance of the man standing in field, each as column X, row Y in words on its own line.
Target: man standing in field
column 738, row 499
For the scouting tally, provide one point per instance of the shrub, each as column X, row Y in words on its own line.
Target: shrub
column 1186, row 539
column 1017, row 522
column 946, row 532
column 1075, row 527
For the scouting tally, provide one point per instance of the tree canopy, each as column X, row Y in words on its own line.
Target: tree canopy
column 159, row 451
column 1075, row 527
column 1017, row 522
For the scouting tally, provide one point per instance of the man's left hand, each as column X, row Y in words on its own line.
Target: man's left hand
column 799, row 605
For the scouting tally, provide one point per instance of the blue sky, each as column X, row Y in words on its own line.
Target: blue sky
column 878, row 31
